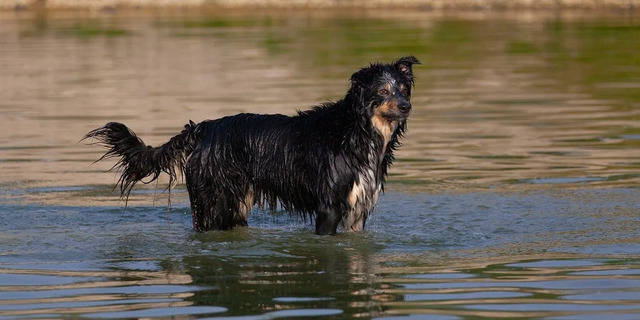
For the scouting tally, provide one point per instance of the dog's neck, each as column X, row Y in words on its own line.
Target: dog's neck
column 370, row 177
column 385, row 128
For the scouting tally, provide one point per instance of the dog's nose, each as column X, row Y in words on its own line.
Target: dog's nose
column 404, row 107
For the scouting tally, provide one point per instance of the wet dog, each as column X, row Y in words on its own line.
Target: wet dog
column 329, row 162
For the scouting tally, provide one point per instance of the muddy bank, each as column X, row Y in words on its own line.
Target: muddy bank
column 418, row 4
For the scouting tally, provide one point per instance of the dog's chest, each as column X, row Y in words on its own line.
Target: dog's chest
column 364, row 192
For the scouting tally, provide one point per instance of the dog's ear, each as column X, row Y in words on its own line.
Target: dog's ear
column 359, row 82
column 359, row 77
column 405, row 64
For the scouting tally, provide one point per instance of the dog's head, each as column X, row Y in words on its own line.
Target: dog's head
column 384, row 90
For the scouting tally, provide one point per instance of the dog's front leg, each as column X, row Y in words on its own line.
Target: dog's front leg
column 327, row 222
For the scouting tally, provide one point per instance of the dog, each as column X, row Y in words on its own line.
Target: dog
column 329, row 162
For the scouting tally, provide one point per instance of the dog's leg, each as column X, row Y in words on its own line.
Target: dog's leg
column 327, row 222
column 356, row 224
column 244, row 207
column 204, row 219
column 208, row 205
column 214, row 209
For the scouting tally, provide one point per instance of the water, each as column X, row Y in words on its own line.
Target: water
column 515, row 194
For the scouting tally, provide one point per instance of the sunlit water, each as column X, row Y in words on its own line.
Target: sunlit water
column 515, row 194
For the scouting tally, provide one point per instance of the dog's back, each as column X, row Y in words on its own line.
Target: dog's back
column 268, row 159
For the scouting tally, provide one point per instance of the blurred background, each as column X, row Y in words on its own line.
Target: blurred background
column 515, row 194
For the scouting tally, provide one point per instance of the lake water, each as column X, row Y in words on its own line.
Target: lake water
column 515, row 194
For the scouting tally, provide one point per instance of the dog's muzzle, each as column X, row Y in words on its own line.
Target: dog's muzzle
column 404, row 108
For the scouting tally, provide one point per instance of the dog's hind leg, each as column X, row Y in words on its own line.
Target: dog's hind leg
column 203, row 212
column 208, row 206
column 215, row 206
column 212, row 210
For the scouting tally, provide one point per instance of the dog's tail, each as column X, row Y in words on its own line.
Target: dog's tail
column 138, row 161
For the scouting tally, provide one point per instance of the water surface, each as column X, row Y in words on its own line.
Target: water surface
column 514, row 196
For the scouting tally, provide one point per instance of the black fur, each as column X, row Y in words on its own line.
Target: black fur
column 328, row 162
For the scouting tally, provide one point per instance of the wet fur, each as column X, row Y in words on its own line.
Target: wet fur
column 329, row 162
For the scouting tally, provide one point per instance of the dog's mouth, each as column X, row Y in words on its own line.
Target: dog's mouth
column 394, row 110
column 396, row 116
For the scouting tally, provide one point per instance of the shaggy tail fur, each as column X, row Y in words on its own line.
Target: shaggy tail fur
column 137, row 160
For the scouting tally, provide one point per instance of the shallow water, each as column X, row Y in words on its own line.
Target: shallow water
column 514, row 196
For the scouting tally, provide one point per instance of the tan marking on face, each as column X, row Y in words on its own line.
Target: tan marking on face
column 384, row 126
column 403, row 87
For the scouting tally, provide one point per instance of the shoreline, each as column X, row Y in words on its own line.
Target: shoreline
column 423, row 5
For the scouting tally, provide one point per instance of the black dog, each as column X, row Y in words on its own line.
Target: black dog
column 329, row 162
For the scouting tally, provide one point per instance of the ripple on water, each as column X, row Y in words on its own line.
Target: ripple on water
column 100, row 293
column 550, row 288
column 491, row 116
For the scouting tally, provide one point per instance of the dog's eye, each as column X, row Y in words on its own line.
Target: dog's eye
column 383, row 92
column 404, row 91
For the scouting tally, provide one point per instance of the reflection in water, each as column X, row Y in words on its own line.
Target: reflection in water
column 297, row 272
column 515, row 194
column 99, row 293
column 312, row 279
